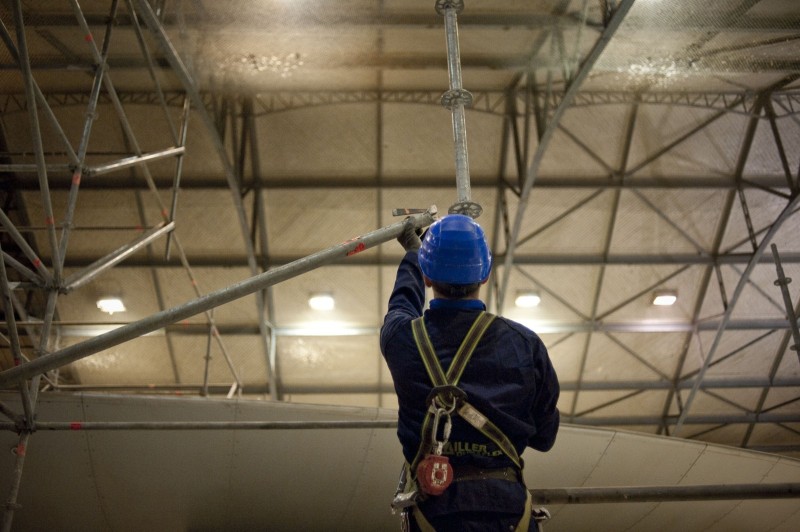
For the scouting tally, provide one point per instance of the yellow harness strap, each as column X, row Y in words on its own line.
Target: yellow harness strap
column 468, row 412
column 438, row 377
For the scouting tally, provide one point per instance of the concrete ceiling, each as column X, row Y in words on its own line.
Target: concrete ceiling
column 616, row 148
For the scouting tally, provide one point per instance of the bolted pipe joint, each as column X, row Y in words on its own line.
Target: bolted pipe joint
column 443, row 5
column 455, row 97
column 468, row 208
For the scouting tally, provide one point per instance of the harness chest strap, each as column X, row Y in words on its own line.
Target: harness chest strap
column 438, row 377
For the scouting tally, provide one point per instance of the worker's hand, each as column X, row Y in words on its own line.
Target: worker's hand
column 409, row 238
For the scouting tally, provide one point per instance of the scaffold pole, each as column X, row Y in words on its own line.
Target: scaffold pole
column 211, row 300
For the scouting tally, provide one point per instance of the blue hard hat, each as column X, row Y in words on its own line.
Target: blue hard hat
column 454, row 251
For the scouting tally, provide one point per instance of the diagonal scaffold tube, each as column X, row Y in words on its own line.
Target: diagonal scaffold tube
column 211, row 300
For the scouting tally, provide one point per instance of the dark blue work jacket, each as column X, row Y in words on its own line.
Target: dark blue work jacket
column 509, row 378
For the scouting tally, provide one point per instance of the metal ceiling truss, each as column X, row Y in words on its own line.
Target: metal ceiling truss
column 786, row 102
column 729, row 103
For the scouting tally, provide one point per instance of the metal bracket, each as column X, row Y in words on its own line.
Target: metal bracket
column 454, row 97
column 470, row 208
column 444, row 5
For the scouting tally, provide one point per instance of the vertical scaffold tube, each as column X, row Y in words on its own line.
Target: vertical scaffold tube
column 456, row 99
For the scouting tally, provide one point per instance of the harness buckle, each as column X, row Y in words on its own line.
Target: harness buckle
column 447, row 396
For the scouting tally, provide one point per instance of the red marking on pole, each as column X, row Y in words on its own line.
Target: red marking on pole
column 16, row 362
column 76, row 178
column 358, row 249
column 88, row 37
column 139, row 228
column 49, row 221
column 75, row 425
column 185, row 323
column 37, row 262
column 20, row 450
column 164, row 213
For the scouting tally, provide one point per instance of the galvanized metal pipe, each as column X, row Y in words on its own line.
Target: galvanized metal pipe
column 711, row 492
column 16, row 351
column 36, row 138
column 180, row 70
column 265, row 304
column 40, row 97
column 96, row 268
column 211, row 300
column 176, row 182
column 21, row 269
column 22, row 168
column 708, row 384
column 151, row 68
column 16, row 480
column 10, row 414
column 697, row 419
column 207, row 425
column 112, row 93
column 236, row 425
column 136, row 160
column 456, row 99
column 83, row 147
column 27, row 250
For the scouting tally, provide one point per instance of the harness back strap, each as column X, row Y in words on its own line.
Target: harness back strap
column 438, row 377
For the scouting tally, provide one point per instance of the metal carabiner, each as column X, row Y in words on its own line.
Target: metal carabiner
column 436, row 445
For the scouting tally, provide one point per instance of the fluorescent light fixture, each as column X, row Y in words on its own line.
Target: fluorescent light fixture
column 110, row 305
column 321, row 301
column 528, row 299
column 326, row 328
column 665, row 298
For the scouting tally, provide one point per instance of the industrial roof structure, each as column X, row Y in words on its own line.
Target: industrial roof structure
column 190, row 156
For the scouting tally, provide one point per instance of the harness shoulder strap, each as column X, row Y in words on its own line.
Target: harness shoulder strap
column 462, row 356
column 434, row 369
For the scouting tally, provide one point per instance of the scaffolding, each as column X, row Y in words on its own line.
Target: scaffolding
column 545, row 109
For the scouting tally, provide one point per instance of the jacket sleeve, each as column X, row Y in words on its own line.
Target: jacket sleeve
column 407, row 300
column 545, row 413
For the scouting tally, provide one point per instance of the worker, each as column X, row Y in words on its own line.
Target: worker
column 508, row 381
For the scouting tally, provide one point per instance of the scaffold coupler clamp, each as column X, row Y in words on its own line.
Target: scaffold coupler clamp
column 541, row 516
column 469, row 208
column 443, row 5
column 433, row 210
column 455, row 97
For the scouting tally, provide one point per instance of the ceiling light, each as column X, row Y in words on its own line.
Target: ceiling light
column 111, row 305
column 321, row 301
column 528, row 299
column 665, row 298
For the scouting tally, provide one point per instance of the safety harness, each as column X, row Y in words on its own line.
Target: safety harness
column 446, row 399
